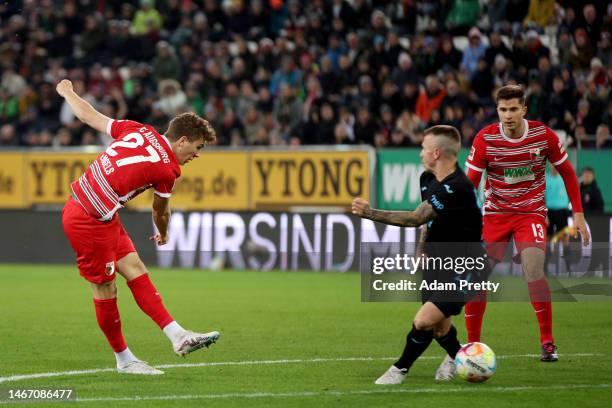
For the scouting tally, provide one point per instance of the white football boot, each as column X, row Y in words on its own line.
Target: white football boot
column 446, row 370
column 393, row 375
column 191, row 341
column 138, row 367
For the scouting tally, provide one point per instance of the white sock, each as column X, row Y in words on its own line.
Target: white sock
column 124, row 357
column 174, row 331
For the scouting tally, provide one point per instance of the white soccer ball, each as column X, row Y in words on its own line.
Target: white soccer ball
column 475, row 362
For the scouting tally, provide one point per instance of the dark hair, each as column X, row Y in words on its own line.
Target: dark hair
column 191, row 125
column 511, row 92
column 588, row 168
column 450, row 132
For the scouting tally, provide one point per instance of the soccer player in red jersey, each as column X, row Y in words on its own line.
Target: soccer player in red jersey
column 138, row 159
column 514, row 152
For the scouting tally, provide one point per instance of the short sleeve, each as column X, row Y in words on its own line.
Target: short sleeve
column 423, row 181
column 556, row 152
column 118, row 128
column 164, row 187
column 477, row 158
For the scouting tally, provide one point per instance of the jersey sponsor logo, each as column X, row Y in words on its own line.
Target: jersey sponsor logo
column 518, row 174
column 448, row 189
column 436, row 203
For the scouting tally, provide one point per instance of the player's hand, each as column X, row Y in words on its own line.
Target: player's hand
column 581, row 226
column 360, row 207
column 64, row 87
column 159, row 239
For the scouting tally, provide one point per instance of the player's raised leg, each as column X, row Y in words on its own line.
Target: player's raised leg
column 149, row 300
column 107, row 314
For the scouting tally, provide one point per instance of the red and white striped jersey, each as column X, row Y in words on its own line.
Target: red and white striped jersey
column 516, row 168
column 139, row 158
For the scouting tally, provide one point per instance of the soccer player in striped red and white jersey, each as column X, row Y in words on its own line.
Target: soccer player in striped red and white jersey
column 139, row 158
column 514, row 152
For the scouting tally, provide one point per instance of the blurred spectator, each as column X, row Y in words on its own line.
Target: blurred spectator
column 63, row 138
column 535, row 100
column 558, row 104
column 430, row 98
column 591, row 23
column 582, row 51
column 287, row 73
column 482, row 83
column 12, row 82
column 405, row 72
column 602, row 137
column 496, row 47
column 365, row 126
column 147, row 18
column 463, row 15
column 540, row 13
column 287, row 108
column 592, row 199
column 92, row 38
column 473, row 52
column 166, row 65
column 447, row 56
column 172, row 98
column 8, row 136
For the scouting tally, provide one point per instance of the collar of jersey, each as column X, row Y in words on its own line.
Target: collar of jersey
column 509, row 139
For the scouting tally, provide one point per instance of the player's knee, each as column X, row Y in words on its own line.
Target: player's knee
column 440, row 331
column 421, row 323
column 105, row 290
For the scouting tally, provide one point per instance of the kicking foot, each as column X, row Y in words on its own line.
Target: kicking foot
column 138, row 367
column 446, row 370
column 549, row 352
column 393, row 375
column 191, row 341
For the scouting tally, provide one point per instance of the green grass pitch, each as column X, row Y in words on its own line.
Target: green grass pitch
column 287, row 339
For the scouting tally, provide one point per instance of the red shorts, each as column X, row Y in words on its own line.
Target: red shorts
column 98, row 245
column 528, row 231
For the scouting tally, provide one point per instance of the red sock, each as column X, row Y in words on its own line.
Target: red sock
column 149, row 300
column 110, row 323
column 539, row 293
column 474, row 312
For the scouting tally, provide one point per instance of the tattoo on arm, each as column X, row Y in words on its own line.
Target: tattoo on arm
column 423, row 213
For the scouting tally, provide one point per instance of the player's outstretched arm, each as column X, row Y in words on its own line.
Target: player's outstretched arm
column 81, row 108
column 423, row 213
column 161, row 218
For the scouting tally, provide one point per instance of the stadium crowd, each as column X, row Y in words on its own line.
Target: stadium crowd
column 304, row 72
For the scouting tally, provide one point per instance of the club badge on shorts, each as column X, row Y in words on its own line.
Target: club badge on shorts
column 110, row 268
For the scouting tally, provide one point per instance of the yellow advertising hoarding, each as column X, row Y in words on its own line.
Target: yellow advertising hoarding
column 232, row 180
column 295, row 178
column 215, row 181
column 48, row 175
column 12, row 186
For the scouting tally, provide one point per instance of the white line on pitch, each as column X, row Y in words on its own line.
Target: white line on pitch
column 299, row 394
column 19, row 377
